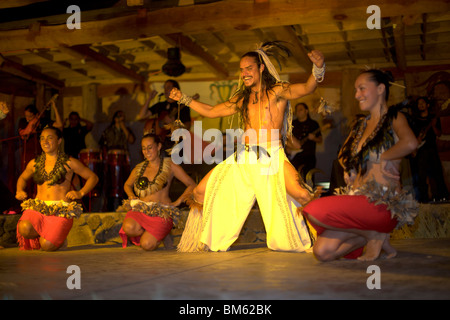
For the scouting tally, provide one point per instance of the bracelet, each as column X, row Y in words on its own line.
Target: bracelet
column 318, row 73
column 185, row 99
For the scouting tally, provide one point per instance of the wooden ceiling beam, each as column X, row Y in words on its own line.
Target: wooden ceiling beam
column 219, row 36
column 384, row 39
column 155, row 49
column 344, row 34
column 24, row 72
column 17, row 3
column 189, row 46
column 399, row 38
column 212, row 17
column 334, row 78
column 423, row 37
column 84, row 52
column 47, row 56
column 299, row 53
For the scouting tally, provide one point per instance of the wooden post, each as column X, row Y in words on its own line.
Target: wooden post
column 349, row 105
column 40, row 96
column 409, row 84
column 90, row 101
column 90, row 110
column 12, row 179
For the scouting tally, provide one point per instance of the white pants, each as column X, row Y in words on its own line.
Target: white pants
column 231, row 192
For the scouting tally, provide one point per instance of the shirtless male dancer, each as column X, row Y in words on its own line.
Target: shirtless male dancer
column 228, row 192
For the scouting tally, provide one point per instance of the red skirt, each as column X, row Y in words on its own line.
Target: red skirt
column 350, row 212
column 156, row 226
column 51, row 228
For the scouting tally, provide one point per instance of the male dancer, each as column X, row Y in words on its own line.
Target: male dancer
column 260, row 170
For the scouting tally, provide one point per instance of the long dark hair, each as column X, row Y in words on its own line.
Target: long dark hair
column 274, row 49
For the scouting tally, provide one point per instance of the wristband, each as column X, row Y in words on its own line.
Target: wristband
column 318, row 73
column 185, row 99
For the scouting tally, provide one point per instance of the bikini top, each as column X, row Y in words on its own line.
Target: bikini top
column 381, row 139
column 143, row 186
column 58, row 173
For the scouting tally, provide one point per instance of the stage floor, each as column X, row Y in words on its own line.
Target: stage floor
column 420, row 271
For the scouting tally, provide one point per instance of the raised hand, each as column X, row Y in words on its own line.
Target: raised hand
column 317, row 58
column 153, row 94
column 4, row 107
column 175, row 94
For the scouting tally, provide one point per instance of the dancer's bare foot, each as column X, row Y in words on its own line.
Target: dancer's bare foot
column 388, row 249
column 375, row 241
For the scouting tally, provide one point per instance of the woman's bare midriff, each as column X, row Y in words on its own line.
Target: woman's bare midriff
column 374, row 173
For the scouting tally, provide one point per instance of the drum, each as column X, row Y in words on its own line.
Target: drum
column 117, row 172
column 92, row 158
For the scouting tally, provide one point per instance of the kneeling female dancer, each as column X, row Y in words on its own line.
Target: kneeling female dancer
column 151, row 213
column 374, row 203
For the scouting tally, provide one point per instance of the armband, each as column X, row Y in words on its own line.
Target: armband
column 318, row 73
column 186, row 100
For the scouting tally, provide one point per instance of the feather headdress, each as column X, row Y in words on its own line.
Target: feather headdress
column 278, row 51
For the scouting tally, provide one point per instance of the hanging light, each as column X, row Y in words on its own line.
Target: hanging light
column 173, row 67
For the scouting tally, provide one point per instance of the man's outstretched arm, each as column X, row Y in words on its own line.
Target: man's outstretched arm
column 223, row 109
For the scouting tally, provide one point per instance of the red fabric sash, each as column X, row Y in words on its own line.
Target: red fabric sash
column 51, row 228
column 350, row 212
column 156, row 226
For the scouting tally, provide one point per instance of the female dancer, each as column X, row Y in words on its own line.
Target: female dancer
column 150, row 211
column 374, row 203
